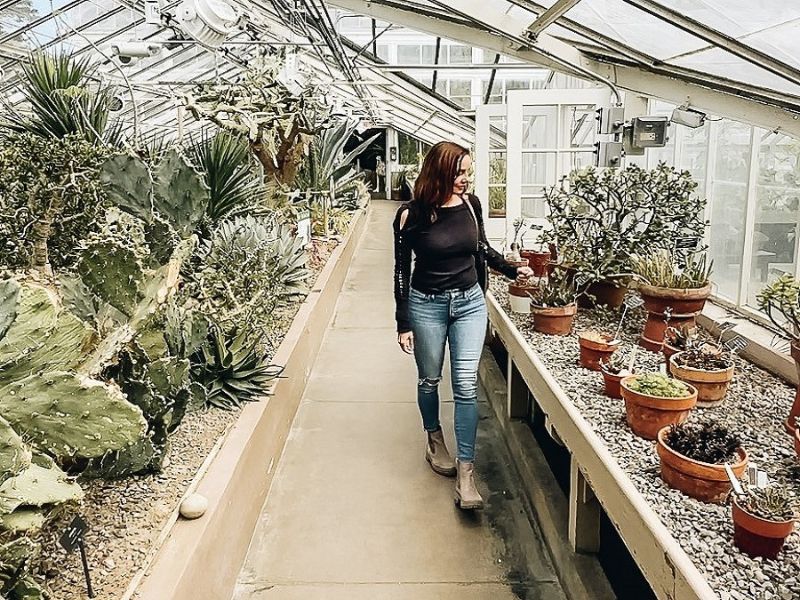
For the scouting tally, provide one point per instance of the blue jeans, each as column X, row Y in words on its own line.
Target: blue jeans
column 457, row 317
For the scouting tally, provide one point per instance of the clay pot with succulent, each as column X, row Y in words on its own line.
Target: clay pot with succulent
column 677, row 339
column 553, row 305
column 693, row 459
column 596, row 347
column 600, row 218
column 672, row 296
column 513, row 255
column 708, row 368
column 654, row 401
column 783, row 297
column 616, row 368
column 763, row 517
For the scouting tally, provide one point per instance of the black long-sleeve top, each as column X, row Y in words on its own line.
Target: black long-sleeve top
column 444, row 253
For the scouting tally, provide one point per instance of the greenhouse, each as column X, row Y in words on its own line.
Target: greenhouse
column 252, row 251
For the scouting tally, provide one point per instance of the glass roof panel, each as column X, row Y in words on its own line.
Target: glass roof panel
column 782, row 42
column 633, row 27
column 736, row 17
column 719, row 62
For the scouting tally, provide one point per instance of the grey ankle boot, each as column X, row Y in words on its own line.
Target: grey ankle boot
column 437, row 455
column 466, row 495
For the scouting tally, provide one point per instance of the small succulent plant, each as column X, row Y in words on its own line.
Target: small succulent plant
column 558, row 291
column 707, row 442
column 661, row 386
column 774, row 502
column 705, row 357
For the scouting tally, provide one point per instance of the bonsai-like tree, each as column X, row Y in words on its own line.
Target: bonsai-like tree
column 278, row 123
column 601, row 218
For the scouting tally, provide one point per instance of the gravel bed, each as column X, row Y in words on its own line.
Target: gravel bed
column 755, row 407
column 126, row 516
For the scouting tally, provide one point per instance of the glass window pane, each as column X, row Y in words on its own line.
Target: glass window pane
column 538, row 169
column 518, row 84
column 694, row 155
column 534, row 206
column 728, row 209
column 383, row 52
column 429, row 54
column 408, row 54
column 499, row 122
column 460, row 87
column 497, row 167
column 777, row 209
column 539, row 124
column 497, row 201
column 460, row 55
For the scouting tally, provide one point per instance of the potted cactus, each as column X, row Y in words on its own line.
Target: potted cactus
column 553, row 305
column 653, row 401
column 596, row 347
column 615, row 368
column 677, row 339
column 708, row 368
column 783, row 296
column 513, row 255
column 763, row 517
column 693, row 459
column 671, row 295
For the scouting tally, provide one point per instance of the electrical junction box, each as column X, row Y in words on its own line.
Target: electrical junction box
column 609, row 154
column 612, row 118
column 650, row 132
column 627, row 142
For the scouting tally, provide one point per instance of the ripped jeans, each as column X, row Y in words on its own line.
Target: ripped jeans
column 459, row 318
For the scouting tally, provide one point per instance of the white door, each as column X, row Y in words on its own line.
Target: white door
column 550, row 134
column 490, row 169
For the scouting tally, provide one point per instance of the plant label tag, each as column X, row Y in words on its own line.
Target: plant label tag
column 762, row 480
column 581, row 280
column 726, row 325
column 737, row 343
column 737, row 487
column 633, row 301
column 687, row 243
column 72, row 536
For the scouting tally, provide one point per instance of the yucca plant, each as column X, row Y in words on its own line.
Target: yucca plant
column 232, row 369
column 225, row 162
column 327, row 160
column 62, row 99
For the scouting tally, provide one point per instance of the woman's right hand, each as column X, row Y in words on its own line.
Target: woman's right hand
column 406, row 341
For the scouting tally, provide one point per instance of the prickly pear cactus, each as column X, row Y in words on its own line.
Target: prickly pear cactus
column 179, row 192
column 68, row 415
column 15, row 456
column 41, row 484
column 23, row 521
column 9, row 295
column 67, row 347
column 37, row 313
column 114, row 274
column 15, row 582
column 78, row 298
column 128, row 184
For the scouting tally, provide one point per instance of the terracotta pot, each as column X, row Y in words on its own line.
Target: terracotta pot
column 756, row 536
column 554, row 321
column 647, row 415
column 612, row 383
column 519, row 298
column 703, row 481
column 795, row 412
column 669, row 351
column 685, row 305
column 711, row 385
column 594, row 352
column 606, row 293
column 537, row 260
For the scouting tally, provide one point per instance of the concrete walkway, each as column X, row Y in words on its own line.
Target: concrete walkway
column 355, row 513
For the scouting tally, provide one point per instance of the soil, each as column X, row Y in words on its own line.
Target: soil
column 126, row 516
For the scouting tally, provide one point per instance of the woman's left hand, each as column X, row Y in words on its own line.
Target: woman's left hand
column 524, row 273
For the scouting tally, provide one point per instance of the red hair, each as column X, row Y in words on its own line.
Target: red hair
column 439, row 171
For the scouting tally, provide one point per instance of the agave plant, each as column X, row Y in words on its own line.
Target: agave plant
column 224, row 160
column 660, row 269
column 62, row 99
column 232, row 369
column 328, row 162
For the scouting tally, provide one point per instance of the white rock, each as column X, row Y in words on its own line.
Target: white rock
column 194, row 506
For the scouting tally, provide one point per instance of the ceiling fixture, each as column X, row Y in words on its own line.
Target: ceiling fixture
column 683, row 115
column 207, row 21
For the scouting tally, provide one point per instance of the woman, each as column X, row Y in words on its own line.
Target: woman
column 443, row 302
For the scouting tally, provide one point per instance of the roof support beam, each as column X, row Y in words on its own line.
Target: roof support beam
column 674, row 84
column 550, row 16
column 712, row 36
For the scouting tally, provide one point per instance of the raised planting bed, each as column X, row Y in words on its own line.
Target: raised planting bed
column 227, row 456
column 684, row 547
